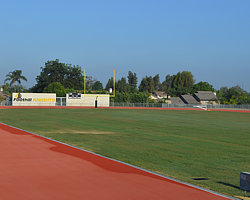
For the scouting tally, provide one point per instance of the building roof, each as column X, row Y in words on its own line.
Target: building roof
column 153, row 97
column 189, row 99
column 176, row 100
column 160, row 94
column 3, row 95
column 205, row 96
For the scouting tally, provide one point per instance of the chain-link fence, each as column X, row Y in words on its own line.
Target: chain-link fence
column 5, row 103
column 165, row 105
column 229, row 106
column 61, row 101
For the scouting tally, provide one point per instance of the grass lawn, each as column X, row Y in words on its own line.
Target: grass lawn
column 186, row 145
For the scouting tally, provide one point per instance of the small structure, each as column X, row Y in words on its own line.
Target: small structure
column 206, row 97
column 87, row 100
column 245, row 181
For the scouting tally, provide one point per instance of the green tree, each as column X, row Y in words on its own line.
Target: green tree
column 203, row 86
column 15, row 76
column 7, row 89
column 132, row 97
column 143, row 84
column 54, row 71
column 150, row 86
column 223, row 95
column 110, row 84
column 188, row 79
column 233, row 95
column 178, row 84
column 167, row 83
column 183, row 79
column 55, row 87
column 147, row 84
column 97, row 86
column 122, row 85
column 121, row 97
column 132, row 81
column 73, row 77
column 157, row 83
column 244, row 99
column 138, row 97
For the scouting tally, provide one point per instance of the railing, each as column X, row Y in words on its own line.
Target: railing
column 229, row 106
column 165, row 105
column 61, row 101
column 5, row 103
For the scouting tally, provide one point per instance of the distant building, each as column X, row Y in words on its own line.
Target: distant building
column 206, row 97
column 189, row 99
column 2, row 95
column 176, row 100
column 160, row 96
column 200, row 97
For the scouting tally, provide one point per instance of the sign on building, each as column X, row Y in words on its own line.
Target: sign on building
column 74, row 96
column 33, row 99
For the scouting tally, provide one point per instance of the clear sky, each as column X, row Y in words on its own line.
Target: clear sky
column 210, row 38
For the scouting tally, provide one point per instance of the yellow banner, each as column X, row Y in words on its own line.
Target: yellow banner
column 44, row 99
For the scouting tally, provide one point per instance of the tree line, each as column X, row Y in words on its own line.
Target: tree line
column 61, row 78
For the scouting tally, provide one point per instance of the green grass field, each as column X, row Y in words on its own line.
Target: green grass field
column 181, row 144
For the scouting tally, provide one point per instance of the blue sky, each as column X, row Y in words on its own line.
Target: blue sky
column 210, row 38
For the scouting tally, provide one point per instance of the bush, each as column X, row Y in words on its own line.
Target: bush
column 55, row 87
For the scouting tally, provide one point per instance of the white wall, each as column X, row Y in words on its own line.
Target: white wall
column 89, row 100
column 34, row 99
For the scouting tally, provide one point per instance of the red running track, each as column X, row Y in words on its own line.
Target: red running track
column 36, row 168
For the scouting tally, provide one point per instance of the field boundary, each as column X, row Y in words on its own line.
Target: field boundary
column 124, row 163
column 124, row 108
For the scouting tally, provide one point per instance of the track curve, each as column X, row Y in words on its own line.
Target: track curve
column 35, row 167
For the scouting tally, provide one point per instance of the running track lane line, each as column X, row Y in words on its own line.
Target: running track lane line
column 34, row 167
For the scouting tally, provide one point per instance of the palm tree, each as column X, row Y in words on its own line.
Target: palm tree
column 15, row 76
